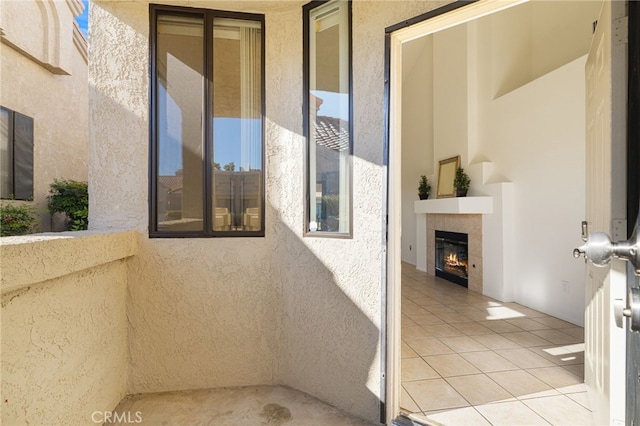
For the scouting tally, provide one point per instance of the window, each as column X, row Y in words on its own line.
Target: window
column 207, row 105
column 16, row 155
column 328, row 117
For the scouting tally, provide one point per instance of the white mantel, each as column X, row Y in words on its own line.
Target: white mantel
column 455, row 205
column 495, row 205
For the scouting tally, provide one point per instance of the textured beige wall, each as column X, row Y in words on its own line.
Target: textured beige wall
column 203, row 313
column 42, row 30
column 285, row 308
column 64, row 334
column 56, row 99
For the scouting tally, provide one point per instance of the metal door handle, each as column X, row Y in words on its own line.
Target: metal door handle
column 599, row 250
column 631, row 310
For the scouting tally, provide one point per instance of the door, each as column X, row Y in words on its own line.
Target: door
column 633, row 354
column 633, row 200
column 605, row 357
column 598, row 215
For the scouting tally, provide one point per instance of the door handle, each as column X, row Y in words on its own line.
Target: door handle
column 599, row 250
column 631, row 310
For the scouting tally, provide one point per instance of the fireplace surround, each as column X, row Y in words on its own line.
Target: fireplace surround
column 470, row 224
column 452, row 257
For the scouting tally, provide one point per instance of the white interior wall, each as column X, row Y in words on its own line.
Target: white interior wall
column 569, row 21
column 509, row 48
column 450, row 94
column 535, row 38
column 536, row 135
column 417, row 134
column 531, row 126
column 518, row 103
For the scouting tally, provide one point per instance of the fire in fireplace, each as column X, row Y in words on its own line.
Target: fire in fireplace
column 452, row 257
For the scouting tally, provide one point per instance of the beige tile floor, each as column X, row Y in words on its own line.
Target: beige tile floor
column 468, row 359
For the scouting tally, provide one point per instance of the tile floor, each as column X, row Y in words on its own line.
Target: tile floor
column 468, row 359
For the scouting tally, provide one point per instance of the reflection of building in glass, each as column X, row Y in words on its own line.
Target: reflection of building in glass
column 237, row 200
column 170, row 197
column 332, row 141
column 214, row 149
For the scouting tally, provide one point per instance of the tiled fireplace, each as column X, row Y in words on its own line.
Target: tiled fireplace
column 452, row 257
column 469, row 225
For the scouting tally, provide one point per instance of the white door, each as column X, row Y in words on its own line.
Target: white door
column 633, row 344
column 605, row 109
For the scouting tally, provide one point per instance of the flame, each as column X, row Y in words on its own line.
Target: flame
column 452, row 261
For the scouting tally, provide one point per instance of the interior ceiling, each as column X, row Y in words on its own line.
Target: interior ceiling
column 558, row 15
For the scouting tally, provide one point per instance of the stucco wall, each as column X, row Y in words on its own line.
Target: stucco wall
column 42, row 30
column 285, row 308
column 47, row 81
column 64, row 326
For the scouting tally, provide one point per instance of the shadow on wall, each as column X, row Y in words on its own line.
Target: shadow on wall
column 329, row 347
column 210, row 313
column 218, row 312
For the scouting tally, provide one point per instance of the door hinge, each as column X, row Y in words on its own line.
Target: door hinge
column 621, row 31
column 619, row 229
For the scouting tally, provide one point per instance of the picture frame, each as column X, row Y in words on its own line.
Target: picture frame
column 446, row 175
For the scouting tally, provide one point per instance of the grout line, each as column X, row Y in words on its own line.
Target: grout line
column 439, row 294
column 412, row 399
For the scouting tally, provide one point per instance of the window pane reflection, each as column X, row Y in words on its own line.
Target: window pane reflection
column 237, row 126
column 329, row 138
column 179, row 94
column 6, row 156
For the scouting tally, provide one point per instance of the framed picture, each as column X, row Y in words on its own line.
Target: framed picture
column 446, row 176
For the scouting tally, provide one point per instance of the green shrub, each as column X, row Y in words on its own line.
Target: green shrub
column 71, row 198
column 17, row 219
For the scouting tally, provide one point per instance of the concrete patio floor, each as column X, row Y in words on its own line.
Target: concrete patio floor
column 251, row 405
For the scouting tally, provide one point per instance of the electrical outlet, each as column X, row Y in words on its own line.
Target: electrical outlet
column 566, row 286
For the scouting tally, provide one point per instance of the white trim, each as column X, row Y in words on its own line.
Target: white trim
column 453, row 18
column 394, row 227
column 456, row 205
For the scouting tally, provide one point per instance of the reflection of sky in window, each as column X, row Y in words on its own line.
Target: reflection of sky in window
column 228, row 143
column 170, row 134
column 333, row 104
column 226, row 135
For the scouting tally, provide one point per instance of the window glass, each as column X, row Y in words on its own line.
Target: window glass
column 329, row 134
column 16, row 155
column 207, row 144
column 6, row 156
column 22, row 157
column 180, row 62
column 237, row 125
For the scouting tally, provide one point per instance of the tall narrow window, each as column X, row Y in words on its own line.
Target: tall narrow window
column 16, row 155
column 207, row 104
column 327, row 55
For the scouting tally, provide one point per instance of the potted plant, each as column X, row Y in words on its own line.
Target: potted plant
column 424, row 188
column 461, row 183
